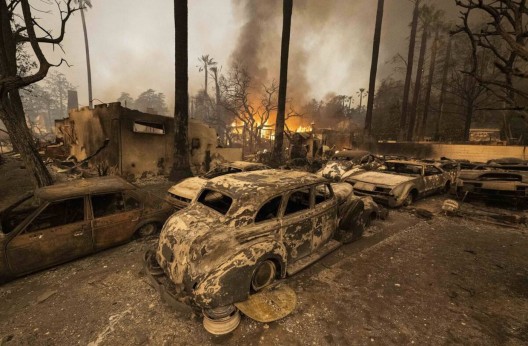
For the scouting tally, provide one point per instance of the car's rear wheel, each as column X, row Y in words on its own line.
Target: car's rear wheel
column 264, row 275
column 221, row 320
column 147, row 230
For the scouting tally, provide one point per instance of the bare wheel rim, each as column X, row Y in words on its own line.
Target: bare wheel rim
column 222, row 325
column 147, row 230
column 263, row 275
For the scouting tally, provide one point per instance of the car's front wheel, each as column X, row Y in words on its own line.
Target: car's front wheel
column 264, row 275
column 147, row 230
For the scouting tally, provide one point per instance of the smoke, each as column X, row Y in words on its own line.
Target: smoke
column 330, row 46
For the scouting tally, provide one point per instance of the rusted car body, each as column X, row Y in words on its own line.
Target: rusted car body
column 182, row 194
column 61, row 222
column 402, row 182
column 349, row 162
column 211, row 254
column 493, row 183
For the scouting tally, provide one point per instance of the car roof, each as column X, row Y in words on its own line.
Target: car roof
column 351, row 153
column 244, row 164
column 82, row 187
column 261, row 185
column 415, row 162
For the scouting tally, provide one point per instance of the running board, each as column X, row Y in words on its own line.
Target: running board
column 314, row 257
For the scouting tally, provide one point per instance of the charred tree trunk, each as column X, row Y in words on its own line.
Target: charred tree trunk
column 11, row 109
column 447, row 61
column 181, row 167
column 432, row 67
column 417, row 84
column 283, row 82
column 12, row 115
column 408, row 76
column 374, row 68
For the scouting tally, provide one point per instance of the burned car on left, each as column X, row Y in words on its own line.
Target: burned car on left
column 65, row 221
column 244, row 232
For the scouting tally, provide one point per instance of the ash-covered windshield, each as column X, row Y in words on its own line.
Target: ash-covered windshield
column 216, row 201
column 403, row 168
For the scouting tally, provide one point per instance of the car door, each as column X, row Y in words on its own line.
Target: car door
column 266, row 223
column 325, row 215
column 434, row 179
column 297, row 224
column 115, row 218
column 59, row 232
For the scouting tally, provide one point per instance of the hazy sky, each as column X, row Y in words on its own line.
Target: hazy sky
column 132, row 43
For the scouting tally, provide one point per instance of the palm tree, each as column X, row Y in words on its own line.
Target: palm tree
column 436, row 21
column 181, row 166
column 408, row 76
column 374, row 68
column 283, row 81
column 426, row 15
column 206, row 63
column 83, row 4
column 447, row 61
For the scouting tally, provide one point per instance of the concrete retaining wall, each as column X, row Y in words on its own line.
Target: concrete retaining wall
column 476, row 153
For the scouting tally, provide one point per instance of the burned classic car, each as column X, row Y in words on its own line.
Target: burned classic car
column 402, row 182
column 61, row 222
column 181, row 194
column 348, row 162
column 493, row 183
column 245, row 231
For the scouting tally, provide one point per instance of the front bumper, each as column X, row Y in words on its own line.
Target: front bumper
column 381, row 198
column 171, row 294
column 479, row 189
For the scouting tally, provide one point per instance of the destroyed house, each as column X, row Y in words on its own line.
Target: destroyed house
column 137, row 142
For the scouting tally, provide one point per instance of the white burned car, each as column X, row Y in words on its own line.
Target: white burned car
column 243, row 232
column 346, row 163
column 402, row 182
column 181, row 194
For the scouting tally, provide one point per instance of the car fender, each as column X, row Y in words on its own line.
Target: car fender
column 401, row 191
column 230, row 282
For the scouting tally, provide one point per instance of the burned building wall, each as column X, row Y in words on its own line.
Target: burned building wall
column 146, row 142
column 475, row 153
column 88, row 129
column 138, row 142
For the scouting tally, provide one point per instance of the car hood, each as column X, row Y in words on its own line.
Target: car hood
column 188, row 188
column 192, row 242
column 380, row 178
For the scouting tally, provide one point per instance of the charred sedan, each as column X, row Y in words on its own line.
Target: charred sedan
column 402, row 182
column 493, row 183
column 59, row 223
column 243, row 232
column 181, row 194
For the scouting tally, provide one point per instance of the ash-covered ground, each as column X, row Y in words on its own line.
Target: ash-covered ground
column 407, row 281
